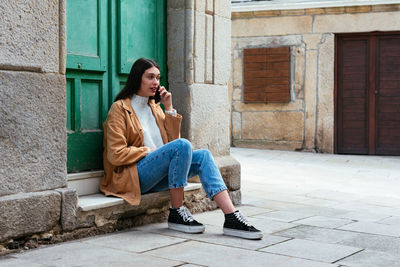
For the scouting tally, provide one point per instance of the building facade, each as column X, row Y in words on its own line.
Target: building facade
column 341, row 76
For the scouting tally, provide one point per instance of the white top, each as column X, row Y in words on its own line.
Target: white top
column 152, row 135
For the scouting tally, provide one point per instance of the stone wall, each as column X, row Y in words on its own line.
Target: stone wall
column 307, row 121
column 33, row 138
column 198, row 74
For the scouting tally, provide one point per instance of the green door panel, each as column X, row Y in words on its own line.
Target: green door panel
column 85, row 151
column 87, row 106
column 132, row 23
column 101, row 34
column 141, row 34
column 85, row 148
column 87, row 34
column 91, row 103
column 133, row 42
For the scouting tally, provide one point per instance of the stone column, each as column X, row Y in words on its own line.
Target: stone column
column 310, row 88
column 33, row 137
column 198, row 72
column 326, row 84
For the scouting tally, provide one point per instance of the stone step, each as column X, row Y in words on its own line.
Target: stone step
column 99, row 201
column 94, row 209
column 85, row 183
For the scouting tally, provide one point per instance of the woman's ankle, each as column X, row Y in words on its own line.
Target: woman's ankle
column 224, row 202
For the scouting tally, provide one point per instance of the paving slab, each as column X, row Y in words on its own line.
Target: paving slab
column 343, row 173
column 323, row 235
column 363, row 216
column 373, row 228
column 368, row 258
column 191, row 265
column 392, row 220
column 10, row 261
column 383, row 201
column 319, row 202
column 348, row 238
column 280, row 196
column 213, row 255
column 134, row 241
column 214, row 235
column 368, row 207
column 332, row 195
column 275, row 205
column 284, row 215
column 322, row 221
column 215, row 217
column 296, row 262
column 374, row 242
column 254, row 182
column 82, row 254
column 312, row 250
column 322, row 211
column 248, row 210
column 268, row 226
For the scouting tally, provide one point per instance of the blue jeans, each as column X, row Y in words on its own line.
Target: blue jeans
column 171, row 165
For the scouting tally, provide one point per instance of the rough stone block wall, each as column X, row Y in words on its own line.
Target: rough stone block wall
column 32, row 106
column 33, row 138
column 273, row 125
column 199, row 69
column 307, row 121
column 29, row 35
column 28, row 213
column 32, row 134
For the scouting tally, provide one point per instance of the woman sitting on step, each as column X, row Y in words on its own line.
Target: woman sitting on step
column 143, row 152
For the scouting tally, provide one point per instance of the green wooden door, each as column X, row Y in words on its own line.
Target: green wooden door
column 104, row 38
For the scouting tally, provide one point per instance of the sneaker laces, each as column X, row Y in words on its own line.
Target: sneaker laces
column 185, row 214
column 240, row 217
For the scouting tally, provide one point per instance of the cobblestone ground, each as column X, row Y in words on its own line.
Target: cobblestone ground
column 314, row 210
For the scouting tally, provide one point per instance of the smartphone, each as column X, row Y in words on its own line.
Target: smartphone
column 157, row 96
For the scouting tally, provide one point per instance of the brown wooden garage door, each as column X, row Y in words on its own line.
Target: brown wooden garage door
column 367, row 118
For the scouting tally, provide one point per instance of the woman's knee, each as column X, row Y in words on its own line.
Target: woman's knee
column 184, row 144
column 204, row 154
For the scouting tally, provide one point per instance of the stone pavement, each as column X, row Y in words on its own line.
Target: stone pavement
column 314, row 210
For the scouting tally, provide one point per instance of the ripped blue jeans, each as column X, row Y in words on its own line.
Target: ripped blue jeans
column 171, row 165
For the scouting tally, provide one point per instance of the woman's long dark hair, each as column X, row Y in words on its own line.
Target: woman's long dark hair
column 135, row 77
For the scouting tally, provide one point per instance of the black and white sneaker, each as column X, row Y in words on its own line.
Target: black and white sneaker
column 181, row 219
column 237, row 225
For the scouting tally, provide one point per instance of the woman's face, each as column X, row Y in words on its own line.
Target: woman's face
column 150, row 82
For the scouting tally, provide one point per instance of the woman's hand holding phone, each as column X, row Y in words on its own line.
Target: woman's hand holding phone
column 166, row 98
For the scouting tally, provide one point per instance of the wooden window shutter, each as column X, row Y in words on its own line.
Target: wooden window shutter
column 267, row 75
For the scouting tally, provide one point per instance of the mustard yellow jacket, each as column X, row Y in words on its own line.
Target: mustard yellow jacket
column 124, row 147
